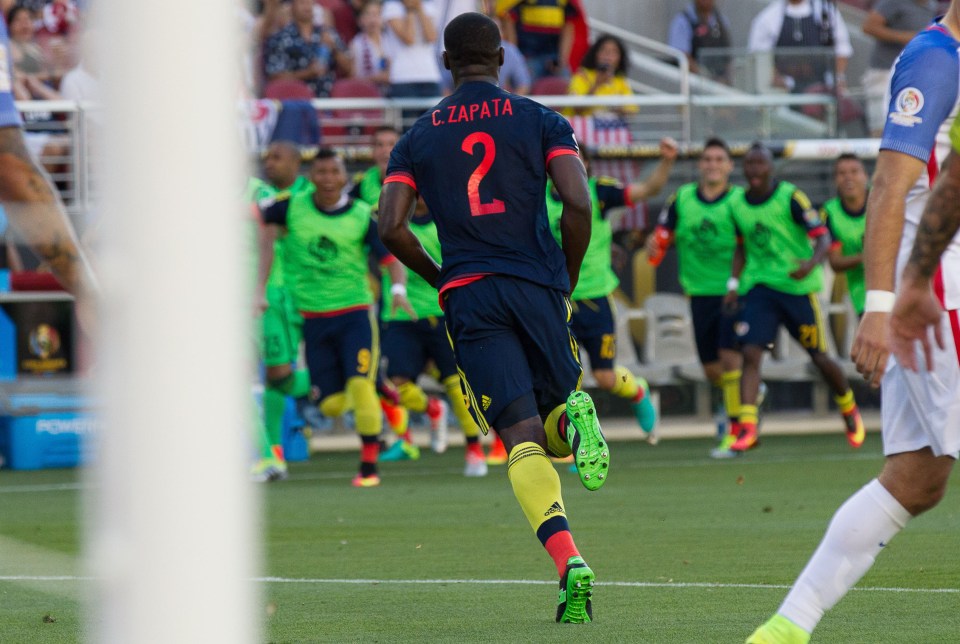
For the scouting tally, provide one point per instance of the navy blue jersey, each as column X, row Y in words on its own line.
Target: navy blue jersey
column 479, row 159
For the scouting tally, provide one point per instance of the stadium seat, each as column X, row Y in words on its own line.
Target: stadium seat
column 669, row 343
column 353, row 122
column 288, row 89
column 550, row 86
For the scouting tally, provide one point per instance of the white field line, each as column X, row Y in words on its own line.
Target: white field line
column 514, row 582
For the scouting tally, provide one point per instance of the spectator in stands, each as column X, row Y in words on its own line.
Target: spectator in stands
column 603, row 72
column 514, row 73
column 698, row 27
column 341, row 17
column 305, row 51
column 30, row 64
column 447, row 10
column 411, row 32
column 803, row 23
column 369, row 60
column 891, row 23
column 60, row 17
column 82, row 83
column 543, row 31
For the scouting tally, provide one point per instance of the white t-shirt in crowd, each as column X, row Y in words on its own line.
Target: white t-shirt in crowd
column 416, row 63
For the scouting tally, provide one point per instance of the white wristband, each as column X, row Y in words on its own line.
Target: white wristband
column 398, row 289
column 879, row 302
column 733, row 283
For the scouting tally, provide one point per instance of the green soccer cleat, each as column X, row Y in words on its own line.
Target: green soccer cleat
column 268, row 470
column 401, row 450
column 723, row 449
column 644, row 411
column 590, row 450
column 779, row 630
column 576, row 589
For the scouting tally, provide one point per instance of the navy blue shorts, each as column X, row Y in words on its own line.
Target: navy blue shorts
column 713, row 328
column 408, row 345
column 765, row 309
column 340, row 347
column 513, row 344
column 595, row 330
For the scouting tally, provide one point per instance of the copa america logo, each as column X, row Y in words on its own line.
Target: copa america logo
column 44, row 341
column 909, row 101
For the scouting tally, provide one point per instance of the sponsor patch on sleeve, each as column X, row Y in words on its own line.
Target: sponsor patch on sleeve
column 907, row 105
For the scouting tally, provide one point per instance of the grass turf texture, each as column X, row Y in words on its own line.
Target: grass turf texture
column 686, row 549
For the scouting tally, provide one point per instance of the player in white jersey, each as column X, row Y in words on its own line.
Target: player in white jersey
column 919, row 410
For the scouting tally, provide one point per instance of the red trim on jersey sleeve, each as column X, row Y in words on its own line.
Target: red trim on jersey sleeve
column 558, row 152
column 819, row 231
column 335, row 313
column 402, row 177
column 933, row 168
column 627, row 201
column 388, row 259
column 955, row 328
column 835, row 245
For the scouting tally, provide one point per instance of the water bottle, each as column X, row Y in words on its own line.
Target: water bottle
column 663, row 238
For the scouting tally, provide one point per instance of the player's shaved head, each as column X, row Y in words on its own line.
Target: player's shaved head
column 286, row 148
column 472, row 39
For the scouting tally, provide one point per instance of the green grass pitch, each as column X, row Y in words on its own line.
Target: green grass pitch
column 686, row 549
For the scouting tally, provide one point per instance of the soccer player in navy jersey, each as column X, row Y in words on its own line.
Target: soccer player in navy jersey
column 480, row 159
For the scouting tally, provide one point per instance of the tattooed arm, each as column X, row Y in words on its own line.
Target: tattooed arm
column 916, row 308
column 36, row 214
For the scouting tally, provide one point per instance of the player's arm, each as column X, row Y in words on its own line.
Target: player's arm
column 663, row 233
column 804, row 214
column 895, row 174
column 396, row 271
column 267, row 235
column 905, row 149
column 736, row 270
column 570, row 179
column 273, row 217
column 397, row 203
column 36, row 214
column 916, row 308
column 643, row 190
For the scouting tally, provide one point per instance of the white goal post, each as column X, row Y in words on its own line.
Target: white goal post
column 171, row 520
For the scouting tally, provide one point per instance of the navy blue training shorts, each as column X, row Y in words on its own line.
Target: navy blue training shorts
column 713, row 328
column 765, row 309
column 340, row 347
column 408, row 345
column 594, row 328
column 512, row 342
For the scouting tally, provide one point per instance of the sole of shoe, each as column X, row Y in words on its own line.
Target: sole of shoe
column 590, row 450
column 578, row 594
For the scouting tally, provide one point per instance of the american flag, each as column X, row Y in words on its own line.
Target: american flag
column 596, row 131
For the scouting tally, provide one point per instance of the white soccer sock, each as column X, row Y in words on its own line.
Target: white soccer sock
column 858, row 532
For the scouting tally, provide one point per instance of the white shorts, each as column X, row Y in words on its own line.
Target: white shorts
column 923, row 409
